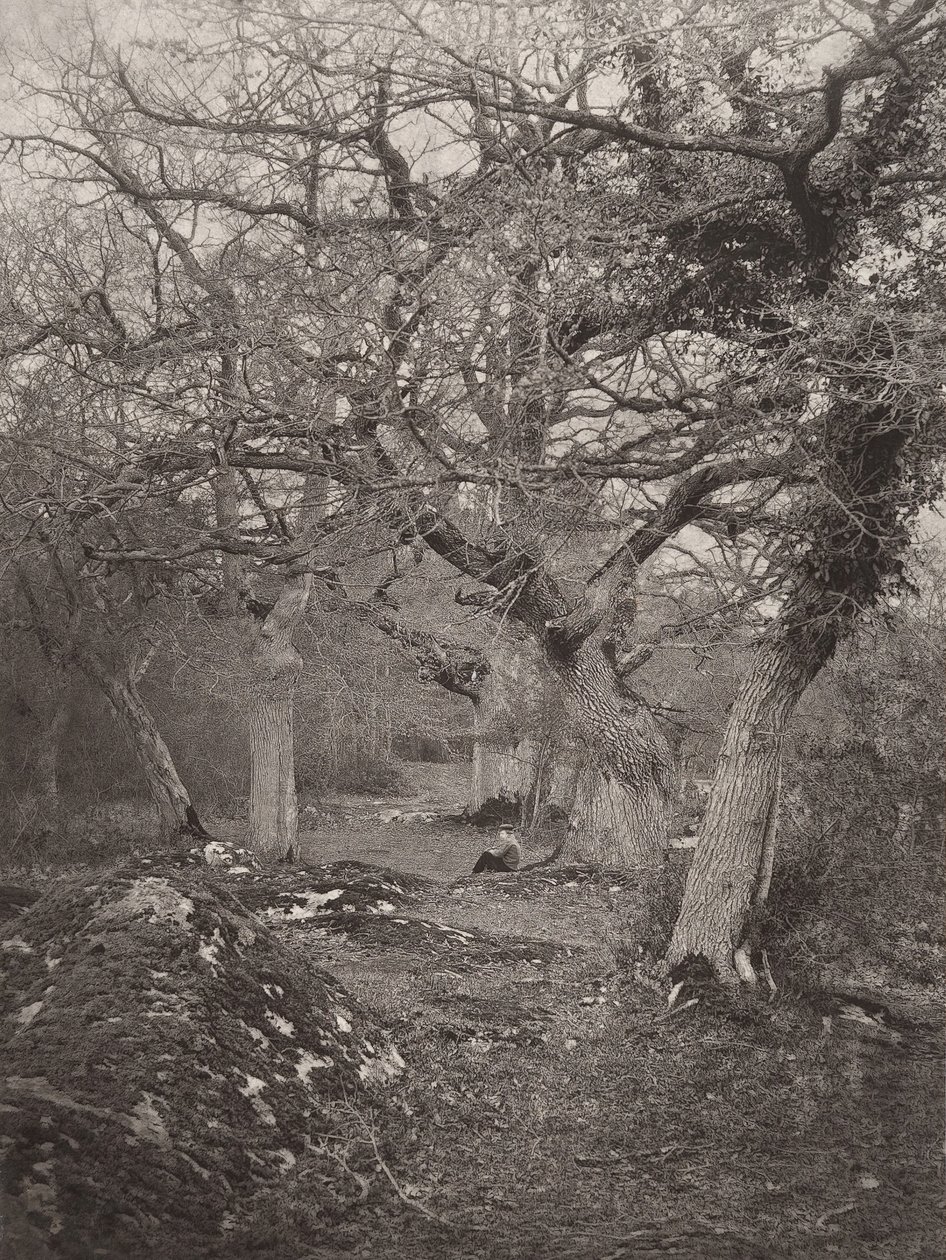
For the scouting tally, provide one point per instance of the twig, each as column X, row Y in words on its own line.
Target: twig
column 402, row 1194
column 770, row 979
column 364, row 1185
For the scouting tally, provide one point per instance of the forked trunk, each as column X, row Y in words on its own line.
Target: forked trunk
column 276, row 664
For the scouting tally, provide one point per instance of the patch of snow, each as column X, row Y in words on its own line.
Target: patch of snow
column 383, row 907
column 28, row 1013
column 251, row 1090
column 239, row 870
column 342, row 1023
column 313, row 903
column 217, row 854
column 308, row 1062
column 281, row 1025
column 270, row 989
column 156, row 895
column 257, row 1034
column 286, row 1159
column 52, row 962
column 16, row 943
column 209, row 950
column 386, row 1065
column 145, row 1122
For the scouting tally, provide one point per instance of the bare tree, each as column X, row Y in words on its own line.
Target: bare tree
column 539, row 272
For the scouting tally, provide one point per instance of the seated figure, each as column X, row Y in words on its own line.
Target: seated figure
column 504, row 856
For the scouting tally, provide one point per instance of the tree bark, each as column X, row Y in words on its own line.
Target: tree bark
column 732, row 863
column 621, row 812
column 175, row 811
column 275, row 667
column 855, row 536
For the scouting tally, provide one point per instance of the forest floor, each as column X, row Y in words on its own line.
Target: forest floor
column 553, row 1109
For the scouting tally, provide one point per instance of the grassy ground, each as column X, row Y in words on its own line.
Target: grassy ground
column 552, row 1107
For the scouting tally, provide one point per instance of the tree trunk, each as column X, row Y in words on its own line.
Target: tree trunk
column 276, row 664
column 856, row 534
column 621, row 813
column 731, row 864
column 45, row 777
column 175, row 811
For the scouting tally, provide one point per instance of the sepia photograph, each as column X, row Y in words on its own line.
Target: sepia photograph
column 472, row 629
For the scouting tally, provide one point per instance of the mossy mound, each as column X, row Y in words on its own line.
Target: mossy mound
column 466, row 947
column 305, row 892
column 170, row 1063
